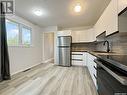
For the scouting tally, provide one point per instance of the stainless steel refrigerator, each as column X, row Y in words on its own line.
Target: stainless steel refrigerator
column 64, row 50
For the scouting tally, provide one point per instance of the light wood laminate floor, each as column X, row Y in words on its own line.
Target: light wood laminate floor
column 49, row 79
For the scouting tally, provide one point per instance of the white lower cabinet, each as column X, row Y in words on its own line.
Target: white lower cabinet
column 86, row 59
column 92, row 67
column 79, row 58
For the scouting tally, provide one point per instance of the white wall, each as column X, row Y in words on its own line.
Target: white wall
column 48, row 46
column 22, row 58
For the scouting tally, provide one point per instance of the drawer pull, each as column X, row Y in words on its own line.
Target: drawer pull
column 95, row 76
column 77, row 54
column 95, row 67
column 77, row 59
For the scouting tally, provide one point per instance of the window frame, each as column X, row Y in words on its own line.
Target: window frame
column 20, row 26
column 21, row 36
column 18, row 33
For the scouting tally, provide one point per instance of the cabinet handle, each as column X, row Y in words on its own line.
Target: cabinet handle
column 95, row 76
column 95, row 67
column 77, row 54
column 77, row 59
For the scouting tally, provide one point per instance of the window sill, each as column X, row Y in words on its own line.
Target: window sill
column 21, row 46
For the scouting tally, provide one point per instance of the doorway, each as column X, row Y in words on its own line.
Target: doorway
column 48, row 51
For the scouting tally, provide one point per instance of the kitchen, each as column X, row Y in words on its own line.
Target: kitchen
column 84, row 54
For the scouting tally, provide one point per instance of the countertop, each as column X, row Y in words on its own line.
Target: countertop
column 115, row 59
column 80, row 51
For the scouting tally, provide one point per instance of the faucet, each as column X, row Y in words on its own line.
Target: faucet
column 108, row 49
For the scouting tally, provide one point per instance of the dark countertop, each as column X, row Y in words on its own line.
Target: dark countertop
column 118, row 60
column 115, row 59
column 80, row 51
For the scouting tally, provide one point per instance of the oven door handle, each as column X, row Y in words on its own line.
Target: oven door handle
column 121, row 79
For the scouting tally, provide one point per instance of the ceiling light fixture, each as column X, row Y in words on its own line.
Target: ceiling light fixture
column 77, row 8
column 38, row 12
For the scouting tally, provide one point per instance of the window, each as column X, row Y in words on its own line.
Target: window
column 26, row 36
column 12, row 33
column 18, row 34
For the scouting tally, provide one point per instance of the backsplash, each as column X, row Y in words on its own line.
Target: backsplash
column 118, row 43
column 83, row 46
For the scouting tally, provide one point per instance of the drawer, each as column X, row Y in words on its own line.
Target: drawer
column 78, row 63
column 94, row 80
column 78, row 53
column 93, row 69
column 93, row 64
column 77, row 56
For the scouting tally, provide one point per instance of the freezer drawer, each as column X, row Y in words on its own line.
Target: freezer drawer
column 64, row 57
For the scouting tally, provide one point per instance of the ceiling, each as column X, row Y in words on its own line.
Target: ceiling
column 60, row 13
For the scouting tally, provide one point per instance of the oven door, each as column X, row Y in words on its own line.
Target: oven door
column 107, row 84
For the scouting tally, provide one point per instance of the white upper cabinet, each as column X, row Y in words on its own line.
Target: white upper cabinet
column 122, row 4
column 75, row 36
column 109, row 19
column 64, row 33
column 99, row 26
column 83, row 36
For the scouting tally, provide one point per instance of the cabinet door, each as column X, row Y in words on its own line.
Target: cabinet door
column 90, row 35
column 75, row 36
column 100, row 26
column 91, row 66
column 83, row 36
column 111, row 20
column 85, row 58
column 64, row 33
column 122, row 4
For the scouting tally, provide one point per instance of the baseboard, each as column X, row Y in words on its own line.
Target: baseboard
column 24, row 69
column 49, row 60
column 46, row 61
